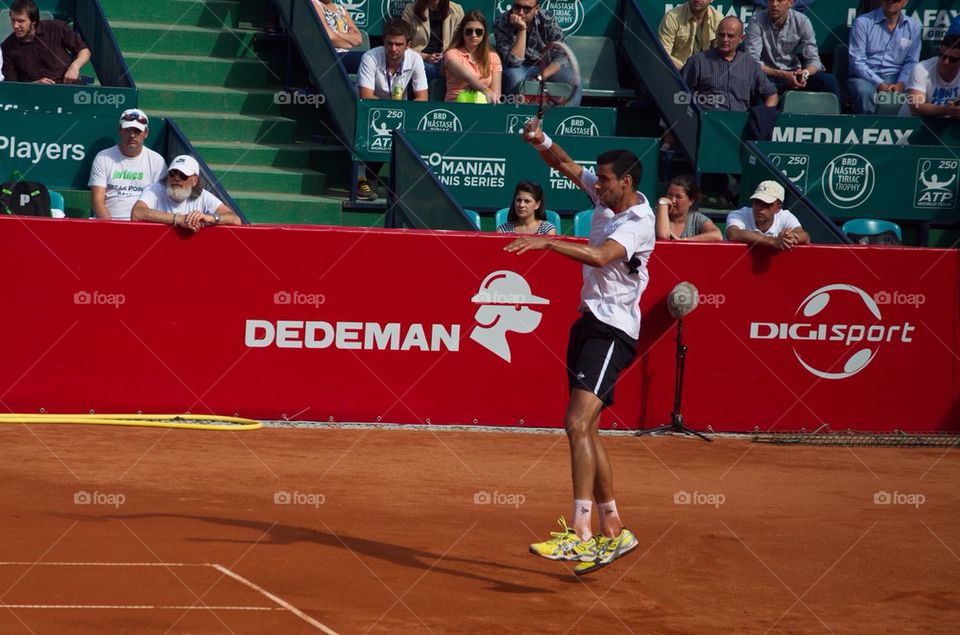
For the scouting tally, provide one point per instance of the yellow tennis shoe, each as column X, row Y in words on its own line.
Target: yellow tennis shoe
column 565, row 545
column 608, row 550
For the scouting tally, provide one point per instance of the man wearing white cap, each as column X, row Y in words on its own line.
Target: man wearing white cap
column 766, row 223
column 121, row 173
column 180, row 200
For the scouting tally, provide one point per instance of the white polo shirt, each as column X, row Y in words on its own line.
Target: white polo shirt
column 612, row 293
column 156, row 197
column 373, row 72
column 743, row 218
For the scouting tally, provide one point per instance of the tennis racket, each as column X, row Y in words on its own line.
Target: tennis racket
column 558, row 80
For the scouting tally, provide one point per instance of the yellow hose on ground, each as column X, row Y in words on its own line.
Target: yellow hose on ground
column 180, row 422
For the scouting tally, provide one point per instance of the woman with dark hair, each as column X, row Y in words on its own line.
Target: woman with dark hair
column 528, row 212
column 343, row 33
column 472, row 64
column 676, row 218
column 434, row 23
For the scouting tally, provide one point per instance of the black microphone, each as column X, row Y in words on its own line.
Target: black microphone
column 682, row 300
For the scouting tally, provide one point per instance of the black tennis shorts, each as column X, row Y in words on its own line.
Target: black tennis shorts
column 596, row 355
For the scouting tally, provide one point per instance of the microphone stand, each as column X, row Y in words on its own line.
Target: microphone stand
column 676, row 419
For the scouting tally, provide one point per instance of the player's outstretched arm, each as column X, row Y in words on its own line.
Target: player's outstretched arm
column 591, row 255
column 551, row 152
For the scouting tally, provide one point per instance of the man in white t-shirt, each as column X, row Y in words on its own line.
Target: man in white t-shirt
column 389, row 72
column 121, row 173
column 179, row 200
column 603, row 341
column 766, row 223
column 933, row 89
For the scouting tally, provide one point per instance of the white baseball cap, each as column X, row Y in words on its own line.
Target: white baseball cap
column 134, row 118
column 185, row 164
column 768, row 192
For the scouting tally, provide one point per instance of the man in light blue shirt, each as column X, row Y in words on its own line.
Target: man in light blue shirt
column 884, row 47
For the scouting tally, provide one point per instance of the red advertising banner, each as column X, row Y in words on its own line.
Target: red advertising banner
column 350, row 324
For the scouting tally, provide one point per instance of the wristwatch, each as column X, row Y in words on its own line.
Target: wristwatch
column 216, row 218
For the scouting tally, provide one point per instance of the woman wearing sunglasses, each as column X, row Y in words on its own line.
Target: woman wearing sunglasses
column 434, row 23
column 472, row 65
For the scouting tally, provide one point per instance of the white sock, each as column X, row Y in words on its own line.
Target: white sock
column 608, row 514
column 581, row 518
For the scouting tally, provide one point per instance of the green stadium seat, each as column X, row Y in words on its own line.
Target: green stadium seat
column 861, row 229
column 501, row 217
column 474, row 216
column 581, row 223
column 56, row 203
column 598, row 66
column 364, row 42
column 806, row 103
column 890, row 103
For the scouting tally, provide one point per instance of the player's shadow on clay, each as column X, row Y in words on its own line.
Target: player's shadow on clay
column 281, row 534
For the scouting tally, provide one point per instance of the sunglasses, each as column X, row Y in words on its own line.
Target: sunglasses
column 135, row 116
column 519, row 8
column 177, row 174
column 472, row 32
column 950, row 59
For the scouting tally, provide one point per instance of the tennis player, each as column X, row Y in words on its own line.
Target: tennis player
column 603, row 341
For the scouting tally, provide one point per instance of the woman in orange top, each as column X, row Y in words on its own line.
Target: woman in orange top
column 471, row 63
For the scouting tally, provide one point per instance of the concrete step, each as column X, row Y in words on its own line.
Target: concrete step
column 151, row 37
column 207, row 13
column 298, row 209
column 164, row 68
column 214, row 126
column 208, row 97
column 261, row 178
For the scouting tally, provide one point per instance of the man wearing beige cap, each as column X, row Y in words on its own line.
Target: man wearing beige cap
column 121, row 173
column 767, row 223
column 180, row 200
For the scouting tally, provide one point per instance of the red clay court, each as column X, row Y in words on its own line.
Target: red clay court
column 356, row 530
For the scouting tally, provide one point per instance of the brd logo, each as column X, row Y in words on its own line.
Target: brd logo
column 569, row 13
column 440, row 120
column 848, row 181
column 577, row 127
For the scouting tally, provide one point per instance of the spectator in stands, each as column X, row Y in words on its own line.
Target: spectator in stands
column 799, row 5
column 389, row 72
column 676, row 218
column 471, row 65
column 343, row 33
column 689, row 28
column 41, row 51
column 180, row 200
column 528, row 212
column 121, row 173
column 774, row 38
column 434, row 23
column 767, row 223
column 522, row 34
column 934, row 86
column 884, row 47
column 724, row 78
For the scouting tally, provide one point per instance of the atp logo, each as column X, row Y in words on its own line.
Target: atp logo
column 820, row 344
column 506, row 304
column 794, row 167
column 382, row 121
column 936, row 184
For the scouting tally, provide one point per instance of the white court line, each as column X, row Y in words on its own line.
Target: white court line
column 225, row 571
column 270, row 596
column 103, row 564
column 141, row 607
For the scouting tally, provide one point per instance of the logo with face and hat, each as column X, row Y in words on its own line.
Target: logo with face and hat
column 505, row 303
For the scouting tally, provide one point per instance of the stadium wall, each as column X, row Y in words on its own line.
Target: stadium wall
column 350, row 324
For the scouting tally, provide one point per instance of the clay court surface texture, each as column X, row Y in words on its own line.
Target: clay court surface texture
column 285, row 530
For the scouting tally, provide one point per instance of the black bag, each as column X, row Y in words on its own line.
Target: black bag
column 24, row 198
